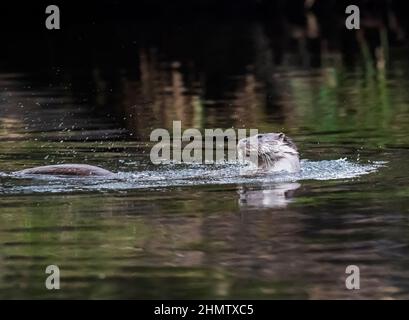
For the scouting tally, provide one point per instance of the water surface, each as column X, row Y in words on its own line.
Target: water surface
column 203, row 231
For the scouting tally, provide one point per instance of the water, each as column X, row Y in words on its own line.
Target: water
column 183, row 174
column 202, row 231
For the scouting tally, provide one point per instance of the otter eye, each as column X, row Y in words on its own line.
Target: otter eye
column 259, row 136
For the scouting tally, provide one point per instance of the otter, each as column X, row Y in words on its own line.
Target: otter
column 270, row 152
column 68, row 170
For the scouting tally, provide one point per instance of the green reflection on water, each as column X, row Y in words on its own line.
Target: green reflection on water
column 199, row 241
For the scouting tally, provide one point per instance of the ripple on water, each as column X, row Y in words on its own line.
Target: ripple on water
column 176, row 175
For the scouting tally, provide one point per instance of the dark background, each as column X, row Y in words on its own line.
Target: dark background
column 211, row 40
column 106, row 32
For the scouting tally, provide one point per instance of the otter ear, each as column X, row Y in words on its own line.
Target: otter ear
column 281, row 136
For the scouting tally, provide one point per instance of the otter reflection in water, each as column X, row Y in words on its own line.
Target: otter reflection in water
column 277, row 196
column 270, row 152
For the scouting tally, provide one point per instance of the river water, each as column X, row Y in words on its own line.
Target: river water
column 178, row 230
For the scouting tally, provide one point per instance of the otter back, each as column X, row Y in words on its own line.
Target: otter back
column 68, row 170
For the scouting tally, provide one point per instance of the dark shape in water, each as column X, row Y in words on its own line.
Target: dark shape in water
column 68, row 170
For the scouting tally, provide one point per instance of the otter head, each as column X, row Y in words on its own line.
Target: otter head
column 270, row 151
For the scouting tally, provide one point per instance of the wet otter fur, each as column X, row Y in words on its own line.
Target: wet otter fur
column 270, row 152
column 68, row 170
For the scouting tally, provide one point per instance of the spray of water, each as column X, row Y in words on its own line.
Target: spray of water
column 173, row 174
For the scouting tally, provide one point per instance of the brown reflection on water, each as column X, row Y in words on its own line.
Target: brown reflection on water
column 263, row 86
column 343, row 99
column 160, row 97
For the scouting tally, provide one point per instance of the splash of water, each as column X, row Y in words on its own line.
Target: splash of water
column 177, row 175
